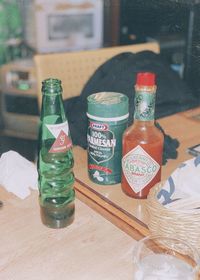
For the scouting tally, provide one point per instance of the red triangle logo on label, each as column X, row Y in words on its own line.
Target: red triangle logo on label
column 61, row 144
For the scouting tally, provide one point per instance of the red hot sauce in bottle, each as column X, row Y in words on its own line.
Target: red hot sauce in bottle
column 142, row 142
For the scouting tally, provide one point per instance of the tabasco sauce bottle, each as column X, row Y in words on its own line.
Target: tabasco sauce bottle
column 142, row 142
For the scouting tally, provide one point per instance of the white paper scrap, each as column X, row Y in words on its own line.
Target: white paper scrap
column 17, row 174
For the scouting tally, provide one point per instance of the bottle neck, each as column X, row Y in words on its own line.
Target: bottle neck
column 51, row 87
column 143, row 125
column 144, row 104
column 52, row 103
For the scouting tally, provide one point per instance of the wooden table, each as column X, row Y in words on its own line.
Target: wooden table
column 92, row 247
column 127, row 213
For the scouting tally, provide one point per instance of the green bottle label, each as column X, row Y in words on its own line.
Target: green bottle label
column 62, row 141
column 144, row 106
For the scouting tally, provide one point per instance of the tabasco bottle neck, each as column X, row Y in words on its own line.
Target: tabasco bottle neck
column 144, row 103
column 143, row 124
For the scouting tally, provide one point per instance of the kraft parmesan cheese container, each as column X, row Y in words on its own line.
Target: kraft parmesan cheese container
column 107, row 119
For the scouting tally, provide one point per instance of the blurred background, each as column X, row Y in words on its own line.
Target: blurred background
column 28, row 27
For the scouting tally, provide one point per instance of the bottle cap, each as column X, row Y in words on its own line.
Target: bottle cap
column 145, row 79
column 108, row 104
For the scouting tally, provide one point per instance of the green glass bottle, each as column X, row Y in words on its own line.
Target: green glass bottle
column 55, row 159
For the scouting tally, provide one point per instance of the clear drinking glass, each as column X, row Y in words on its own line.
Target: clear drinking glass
column 165, row 258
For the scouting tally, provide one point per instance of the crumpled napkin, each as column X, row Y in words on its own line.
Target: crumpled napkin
column 181, row 191
column 17, row 174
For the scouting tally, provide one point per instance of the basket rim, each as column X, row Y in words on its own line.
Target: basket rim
column 154, row 205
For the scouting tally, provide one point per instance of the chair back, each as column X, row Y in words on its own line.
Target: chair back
column 75, row 68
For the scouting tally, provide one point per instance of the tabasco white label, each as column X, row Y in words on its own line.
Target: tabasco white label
column 139, row 168
column 62, row 142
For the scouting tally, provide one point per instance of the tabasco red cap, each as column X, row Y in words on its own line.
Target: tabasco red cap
column 145, row 79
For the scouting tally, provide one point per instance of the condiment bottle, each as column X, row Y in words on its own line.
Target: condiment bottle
column 107, row 120
column 142, row 142
column 55, row 159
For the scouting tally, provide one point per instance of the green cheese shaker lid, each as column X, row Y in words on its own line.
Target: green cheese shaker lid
column 108, row 105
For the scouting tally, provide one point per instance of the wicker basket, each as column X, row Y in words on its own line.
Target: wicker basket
column 167, row 222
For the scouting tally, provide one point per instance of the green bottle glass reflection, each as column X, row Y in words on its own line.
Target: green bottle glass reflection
column 55, row 159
